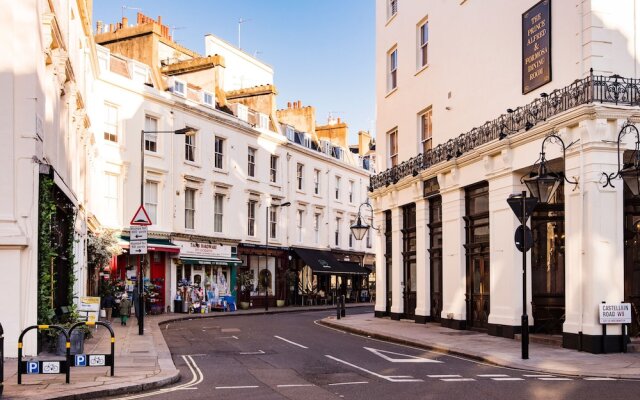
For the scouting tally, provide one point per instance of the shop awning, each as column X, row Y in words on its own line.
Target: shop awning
column 229, row 262
column 153, row 245
column 323, row 262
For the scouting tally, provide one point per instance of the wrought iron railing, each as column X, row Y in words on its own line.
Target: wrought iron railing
column 592, row 89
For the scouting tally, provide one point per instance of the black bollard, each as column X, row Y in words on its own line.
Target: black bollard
column 338, row 308
column 343, row 312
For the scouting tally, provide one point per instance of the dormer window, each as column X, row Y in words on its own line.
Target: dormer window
column 179, row 88
column 207, row 98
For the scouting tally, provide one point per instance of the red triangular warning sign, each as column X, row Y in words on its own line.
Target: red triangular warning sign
column 141, row 217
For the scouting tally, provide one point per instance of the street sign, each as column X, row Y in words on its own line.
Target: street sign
column 141, row 217
column 619, row 313
column 138, row 247
column 528, row 238
column 515, row 202
column 138, row 232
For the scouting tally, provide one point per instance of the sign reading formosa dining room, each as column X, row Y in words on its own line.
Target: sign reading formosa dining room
column 536, row 46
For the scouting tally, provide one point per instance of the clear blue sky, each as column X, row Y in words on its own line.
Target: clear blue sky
column 322, row 51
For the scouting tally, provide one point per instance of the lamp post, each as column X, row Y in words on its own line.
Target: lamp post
column 359, row 229
column 629, row 172
column 266, row 276
column 182, row 131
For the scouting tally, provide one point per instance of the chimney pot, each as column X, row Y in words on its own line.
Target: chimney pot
column 160, row 19
column 125, row 22
column 288, row 104
column 299, row 104
column 338, row 120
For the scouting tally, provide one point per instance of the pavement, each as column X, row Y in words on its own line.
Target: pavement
column 493, row 350
column 144, row 362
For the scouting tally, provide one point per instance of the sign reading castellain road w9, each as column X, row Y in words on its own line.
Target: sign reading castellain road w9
column 615, row 313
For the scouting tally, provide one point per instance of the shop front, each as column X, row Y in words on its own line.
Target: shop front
column 205, row 277
column 267, row 280
column 321, row 278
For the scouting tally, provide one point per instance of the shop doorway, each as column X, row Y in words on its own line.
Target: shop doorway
column 409, row 259
column 158, row 281
column 632, row 257
column 478, row 263
column 388, row 291
column 547, row 265
column 435, row 256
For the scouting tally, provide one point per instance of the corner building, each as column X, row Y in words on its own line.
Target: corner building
column 449, row 156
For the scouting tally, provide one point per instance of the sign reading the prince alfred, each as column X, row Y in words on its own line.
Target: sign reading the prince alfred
column 536, row 46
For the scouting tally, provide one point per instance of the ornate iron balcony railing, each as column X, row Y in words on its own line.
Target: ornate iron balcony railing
column 592, row 89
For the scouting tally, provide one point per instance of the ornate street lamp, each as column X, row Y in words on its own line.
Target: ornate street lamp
column 544, row 183
column 629, row 172
column 359, row 229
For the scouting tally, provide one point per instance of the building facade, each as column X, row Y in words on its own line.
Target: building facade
column 446, row 251
column 237, row 194
column 46, row 70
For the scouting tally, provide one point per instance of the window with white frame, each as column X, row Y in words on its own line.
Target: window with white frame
column 316, row 181
column 179, row 88
column 300, row 224
column 392, row 146
column 299, row 175
column 218, row 155
column 110, row 123
column 337, row 191
column 351, row 234
column 392, row 8
column 273, row 170
column 423, row 44
column 392, row 68
column 218, row 212
column 151, row 200
column 189, row 208
column 111, row 198
column 207, row 98
column 426, row 133
column 150, row 134
column 190, row 147
column 273, row 222
column 316, row 228
column 251, row 161
column 351, row 189
column 251, row 217
column 337, row 232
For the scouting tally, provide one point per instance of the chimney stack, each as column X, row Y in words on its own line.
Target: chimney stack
column 125, row 22
column 289, row 105
column 299, row 104
column 99, row 26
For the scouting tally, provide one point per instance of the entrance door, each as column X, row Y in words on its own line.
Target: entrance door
column 388, row 291
column 479, row 291
column 409, row 259
column 547, row 266
column 158, row 279
column 435, row 256
column 632, row 258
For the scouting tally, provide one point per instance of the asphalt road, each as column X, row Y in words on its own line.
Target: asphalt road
column 289, row 356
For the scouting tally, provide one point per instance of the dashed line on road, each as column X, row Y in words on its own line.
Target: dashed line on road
column 555, row 379
column 493, row 376
column 347, row 383
column 291, row 342
column 295, row 385
column 387, row 378
column 457, row 379
column 507, row 379
column 244, row 353
column 444, row 376
column 237, row 387
column 538, row 376
column 595, row 378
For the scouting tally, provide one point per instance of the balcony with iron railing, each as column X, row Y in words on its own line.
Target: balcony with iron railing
column 612, row 89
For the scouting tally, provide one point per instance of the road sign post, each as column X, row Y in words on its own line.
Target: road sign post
column 138, row 245
column 522, row 207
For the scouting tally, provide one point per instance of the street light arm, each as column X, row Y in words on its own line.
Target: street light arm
column 542, row 169
column 627, row 128
column 370, row 209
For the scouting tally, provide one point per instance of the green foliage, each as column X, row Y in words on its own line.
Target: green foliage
column 101, row 247
column 46, row 252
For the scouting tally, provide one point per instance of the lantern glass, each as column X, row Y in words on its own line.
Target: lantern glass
column 631, row 176
column 543, row 186
column 359, row 229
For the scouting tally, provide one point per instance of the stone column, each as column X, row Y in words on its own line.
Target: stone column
column 397, row 280
column 423, row 298
column 454, row 276
column 381, row 266
column 594, row 236
column 506, row 261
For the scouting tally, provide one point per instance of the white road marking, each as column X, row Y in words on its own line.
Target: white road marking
column 539, row 376
column 507, row 379
column 599, row 379
column 236, row 387
column 555, row 379
column 289, row 341
column 457, row 379
column 347, row 383
column 296, row 385
column 493, row 376
column 197, row 378
column 405, row 357
column 444, row 376
column 387, row 378
column 252, row 352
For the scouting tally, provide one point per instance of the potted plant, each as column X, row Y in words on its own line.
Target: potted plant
column 245, row 284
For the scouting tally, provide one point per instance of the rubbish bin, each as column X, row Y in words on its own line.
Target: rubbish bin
column 177, row 306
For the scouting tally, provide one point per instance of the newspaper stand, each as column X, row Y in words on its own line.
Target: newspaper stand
column 94, row 360
column 44, row 366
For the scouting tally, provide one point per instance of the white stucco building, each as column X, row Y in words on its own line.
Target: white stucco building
column 46, row 70
column 450, row 155
column 208, row 192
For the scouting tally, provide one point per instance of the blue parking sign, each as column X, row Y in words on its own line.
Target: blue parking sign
column 33, row 367
column 81, row 360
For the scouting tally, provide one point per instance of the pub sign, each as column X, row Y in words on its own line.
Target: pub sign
column 536, row 46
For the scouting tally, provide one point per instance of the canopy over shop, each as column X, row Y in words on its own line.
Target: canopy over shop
column 321, row 277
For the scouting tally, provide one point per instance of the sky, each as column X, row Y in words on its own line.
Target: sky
column 322, row 51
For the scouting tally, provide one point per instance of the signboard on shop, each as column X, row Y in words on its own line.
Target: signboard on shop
column 200, row 249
